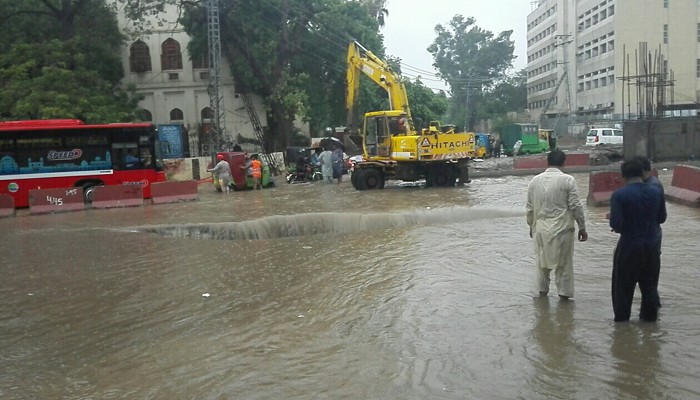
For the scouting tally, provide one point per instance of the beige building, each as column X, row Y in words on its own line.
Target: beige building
column 174, row 87
column 602, row 61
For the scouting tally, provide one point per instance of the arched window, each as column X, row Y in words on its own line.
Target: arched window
column 207, row 114
column 176, row 115
column 201, row 62
column 145, row 115
column 171, row 56
column 139, row 57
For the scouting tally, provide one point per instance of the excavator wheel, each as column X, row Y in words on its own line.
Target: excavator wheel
column 442, row 177
column 368, row 179
column 353, row 177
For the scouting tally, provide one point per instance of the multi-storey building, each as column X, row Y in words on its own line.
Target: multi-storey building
column 603, row 61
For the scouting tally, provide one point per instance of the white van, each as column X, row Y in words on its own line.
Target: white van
column 598, row 136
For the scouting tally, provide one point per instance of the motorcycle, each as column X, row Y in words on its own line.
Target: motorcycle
column 305, row 174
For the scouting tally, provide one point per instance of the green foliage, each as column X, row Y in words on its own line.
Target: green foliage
column 426, row 105
column 465, row 53
column 298, row 66
column 473, row 62
column 62, row 60
column 38, row 83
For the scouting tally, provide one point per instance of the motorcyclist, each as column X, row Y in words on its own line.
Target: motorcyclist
column 302, row 165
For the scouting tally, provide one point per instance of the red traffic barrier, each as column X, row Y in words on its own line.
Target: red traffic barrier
column 685, row 186
column 170, row 192
column 529, row 162
column 43, row 201
column 577, row 160
column 117, row 196
column 540, row 162
column 7, row 206
column 601, row 186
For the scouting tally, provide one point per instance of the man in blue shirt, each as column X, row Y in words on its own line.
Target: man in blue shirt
column 636, row 212
column 651, row 179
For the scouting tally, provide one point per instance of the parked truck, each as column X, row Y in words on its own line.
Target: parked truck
column 393, row 149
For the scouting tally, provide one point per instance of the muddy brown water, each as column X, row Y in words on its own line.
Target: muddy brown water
column 322, row 292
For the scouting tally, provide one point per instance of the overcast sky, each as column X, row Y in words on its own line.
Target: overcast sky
column 410, row 28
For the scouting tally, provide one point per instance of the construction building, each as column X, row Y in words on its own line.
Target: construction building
column 606, row 61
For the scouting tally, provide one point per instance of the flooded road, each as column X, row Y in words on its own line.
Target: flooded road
column 323, row 292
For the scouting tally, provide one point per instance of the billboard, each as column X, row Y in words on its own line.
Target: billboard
column 170, row 137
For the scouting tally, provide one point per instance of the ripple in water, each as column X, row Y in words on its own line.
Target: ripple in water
column 282, row 226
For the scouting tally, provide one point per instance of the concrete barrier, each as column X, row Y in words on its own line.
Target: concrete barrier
column 186, row 169
column 42, row 201
column 685, row 186
column 601, row 186
column 117, row 196
column 7, row 206
column 540, row 162
column 169, row 192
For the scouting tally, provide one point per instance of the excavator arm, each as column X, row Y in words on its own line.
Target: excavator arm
column 362, row 61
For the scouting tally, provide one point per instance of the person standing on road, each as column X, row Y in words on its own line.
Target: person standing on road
column 256, row 171
column 651, row 179
column 338, row 159
column 247, row 166
column 222, row 173
column 553, row 205
column 497, row 148
column 636, row 212
column 326, row 159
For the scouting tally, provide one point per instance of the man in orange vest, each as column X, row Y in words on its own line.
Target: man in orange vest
column 256, row 167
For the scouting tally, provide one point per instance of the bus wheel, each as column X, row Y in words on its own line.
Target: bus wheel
column 89, row 191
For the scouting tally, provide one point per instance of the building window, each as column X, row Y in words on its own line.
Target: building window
column 176, row 115
column 171, row 56
column 207, row 114
column 665, row 34
column 139, row 57
column 145, row 115
column 698, row 32
column 665, row 3
column 201, row 62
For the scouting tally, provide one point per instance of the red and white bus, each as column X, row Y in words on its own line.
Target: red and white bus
column 61, row 153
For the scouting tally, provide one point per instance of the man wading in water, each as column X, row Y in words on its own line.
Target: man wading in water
column 552, row 207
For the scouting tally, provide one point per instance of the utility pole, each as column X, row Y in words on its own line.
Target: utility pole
column 216, row 98
column 565, row 40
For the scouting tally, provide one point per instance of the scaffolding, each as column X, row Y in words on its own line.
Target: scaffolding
column 216, row 98
column 650, row 82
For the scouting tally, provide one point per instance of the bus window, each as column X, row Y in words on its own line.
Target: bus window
column 125, row 156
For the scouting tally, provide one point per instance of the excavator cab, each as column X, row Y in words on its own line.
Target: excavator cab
column 379, row 128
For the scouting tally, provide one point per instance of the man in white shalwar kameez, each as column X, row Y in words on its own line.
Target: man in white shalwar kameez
column 552, row 207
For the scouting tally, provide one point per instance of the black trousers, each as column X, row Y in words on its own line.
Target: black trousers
column 634, row 265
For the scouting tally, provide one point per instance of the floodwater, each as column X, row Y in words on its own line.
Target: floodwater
column 323, row 292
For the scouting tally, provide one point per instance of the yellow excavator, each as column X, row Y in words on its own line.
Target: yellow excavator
column 392, row 147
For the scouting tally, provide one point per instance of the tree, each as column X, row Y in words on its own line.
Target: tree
column 509, row 94
column 471, row 60
column 38, row 83
column 61, row 60
column 290, row 52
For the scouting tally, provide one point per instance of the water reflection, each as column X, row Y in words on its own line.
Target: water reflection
column 636, row 348
column 555, row 364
